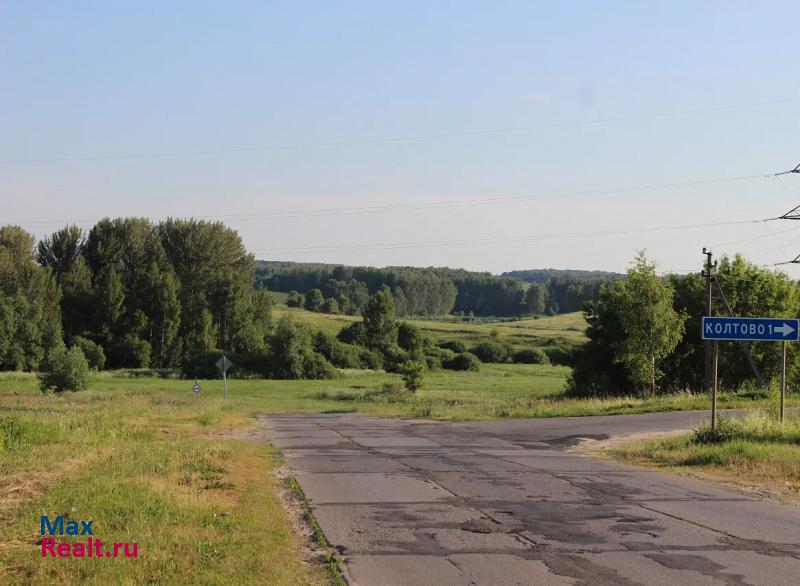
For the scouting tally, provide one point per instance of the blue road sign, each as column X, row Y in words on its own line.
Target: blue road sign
column 762, row 329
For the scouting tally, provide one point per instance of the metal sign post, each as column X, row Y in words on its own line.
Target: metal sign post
column 749, row 329
column 783, row 382
column 224, row 364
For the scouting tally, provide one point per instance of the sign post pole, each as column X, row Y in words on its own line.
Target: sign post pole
column 224, row 364
column 714, row 387
column 783, row 381
column 225, row 378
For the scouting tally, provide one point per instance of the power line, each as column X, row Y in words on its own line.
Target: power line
column 434, row 204
column 356, row 247
column 396, row 139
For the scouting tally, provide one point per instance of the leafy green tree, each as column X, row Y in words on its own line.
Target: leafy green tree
column 95, row 356
column 652, row 328
column 380, row 327
column 295, row 299
column 292, row 354
column 77, row 304
column 330, row 305
column 314, row 300
column 109, row 304
column 412, row 373
column 536, row 299
column 411, row 339
column 64, row 370
column 61, row 250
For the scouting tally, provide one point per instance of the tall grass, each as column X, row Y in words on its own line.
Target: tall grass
column 757, row 448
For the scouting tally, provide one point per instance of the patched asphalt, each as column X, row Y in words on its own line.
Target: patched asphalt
column 502, row 503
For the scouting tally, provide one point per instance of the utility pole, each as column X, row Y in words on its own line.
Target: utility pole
column 711, row 347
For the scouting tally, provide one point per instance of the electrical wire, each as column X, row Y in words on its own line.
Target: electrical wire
column 356, row 247
column 395, row 139
column 433, row 204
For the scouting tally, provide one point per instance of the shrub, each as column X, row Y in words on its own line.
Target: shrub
column 93, row 352
column 412, row 373
column 433, row 362
column 130, row 351
column 353, row 334
column 314, row 300
column 726, row 430
column 456, row 346
column 371, row 359
column 560, row 355
column 393, row 357
column 410, row 339
column 292, row 354
column 330, row 305
column 295, row 299
column 338, row 353
column 491, row 352
column 531, row 356
column 64, row 370
column 463, row 361
column 315, row 366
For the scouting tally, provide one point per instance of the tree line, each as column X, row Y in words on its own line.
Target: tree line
column 645, row 331
column 426, row 291
column 137, row 293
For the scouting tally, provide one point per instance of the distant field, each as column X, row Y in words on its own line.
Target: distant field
column 279, row 297
column 560, row 329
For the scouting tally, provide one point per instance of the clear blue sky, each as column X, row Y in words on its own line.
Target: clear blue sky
column 89, row 79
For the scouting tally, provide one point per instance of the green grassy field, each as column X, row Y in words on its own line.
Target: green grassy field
column 179, row 474
column 566, row 329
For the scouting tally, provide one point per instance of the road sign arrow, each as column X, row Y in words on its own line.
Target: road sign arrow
column 784, row 329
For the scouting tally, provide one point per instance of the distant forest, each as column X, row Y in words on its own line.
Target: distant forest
column 544, row 275
column 433, row 291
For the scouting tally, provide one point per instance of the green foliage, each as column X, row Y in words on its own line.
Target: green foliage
column 380, row 327
column 412, row 373
column 464, row 361
column 492, row 352
column 757, row 426
column 338, row 353
column 295, row 299
column 560, row 355
column 411, row 339
column 130, row 351
column 652, row 326
column 330, row 305
column 393, row 357
column 64, row 370
column 314, row 300
column 355, row 333
column 536, row 299
column 632, row 329
column 30, row 317
column 95, row 356
column 531, row 356
column 457, row 346
column 292, row 354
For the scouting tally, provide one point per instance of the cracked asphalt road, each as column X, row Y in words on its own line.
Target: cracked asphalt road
column 501, row 502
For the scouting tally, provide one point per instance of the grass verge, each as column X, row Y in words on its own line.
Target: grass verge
column 333, row 561
column 757, row 451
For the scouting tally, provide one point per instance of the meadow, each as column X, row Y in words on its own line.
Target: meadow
column 193, row 481
column 755, row 451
